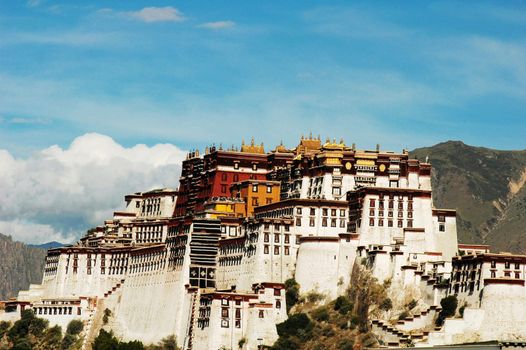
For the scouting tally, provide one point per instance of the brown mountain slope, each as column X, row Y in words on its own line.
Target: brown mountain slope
column 20, row 265
column 488, row 189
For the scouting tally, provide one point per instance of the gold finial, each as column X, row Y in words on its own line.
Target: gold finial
column 328, row 140
column 377, row 147
column 353, row 146
column 252, row 141
column 341, row 141
column 302, row 136
column 319, row 137
column 310, row 135
column 243, row 141
column 221, row 146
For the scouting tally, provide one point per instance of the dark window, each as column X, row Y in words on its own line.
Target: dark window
column 507, row 265
column 269, row 189
column 276, row 250
column 236, row 165
column 254, row 188
column 287, row 251
column 371, row 222
column 224, row 176
column 266, row 237
column 298, row 211
column 371, row 212
column 224, row 312
column 493, row 264
column 312, row 211
column 324, row 222
column 442, row 228
column 278, row 304
column 517, row 266
column 265, row 249
column 287, row 239
column 276, row 238
column 390, row 223
column 223, row 188
column 298, row 221
column 342, row 212
column 254, row 166
column 261, row 313
column 380, row 222
column 325, row 211
column 372, row 203
column 311, row 222
column 400, row 223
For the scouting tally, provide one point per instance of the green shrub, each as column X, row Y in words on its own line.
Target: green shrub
column 292, row 293
column 321, row 314
column 107, row 315
column 22, row 344
column 314, row 297
column 53, row 338
column 343, row 305
column 4, row 327
column 346, row 344
column 294, row 326
column 38, row 326
column 403, row 315
column 68, row 341
column 75, row 327
column 286, row 343
column 132, row 345
column 449, row 306
column 386, row 304
column 169, row 343
column 105, row 341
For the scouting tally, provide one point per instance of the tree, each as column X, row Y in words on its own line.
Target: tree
column 105, row 341
column 449, row 306
column 292, row 293
column 75, row 327
column 169, row 343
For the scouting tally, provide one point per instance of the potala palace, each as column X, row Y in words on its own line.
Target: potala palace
column 207, row 262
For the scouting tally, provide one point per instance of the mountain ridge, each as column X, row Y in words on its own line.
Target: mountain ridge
column 20, row 265
column 486, row 186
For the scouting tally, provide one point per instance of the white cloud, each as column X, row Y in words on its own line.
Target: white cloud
column 58, row 193
column 157, row 14
column 33, row 3
column 217, row 25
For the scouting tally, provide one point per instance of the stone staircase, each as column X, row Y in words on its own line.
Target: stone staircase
column 95, row 319
column 407, row 331
column 194, row 305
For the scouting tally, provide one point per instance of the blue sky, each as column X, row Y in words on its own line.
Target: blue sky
column 100, row 98
column 404, row 74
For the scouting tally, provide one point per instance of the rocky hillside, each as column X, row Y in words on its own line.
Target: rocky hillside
column 20, row 265
column 488, row 189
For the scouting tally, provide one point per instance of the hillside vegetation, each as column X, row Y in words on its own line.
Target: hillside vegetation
column 20, row 265
column 488, row 189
